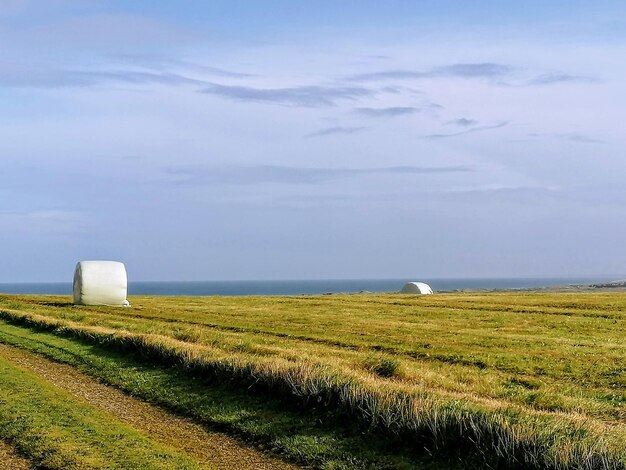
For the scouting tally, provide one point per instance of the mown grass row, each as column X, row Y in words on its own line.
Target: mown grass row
column 313, row 437
column 523, row 337
column 560, row 363
column 505, row 433
column 55, row 430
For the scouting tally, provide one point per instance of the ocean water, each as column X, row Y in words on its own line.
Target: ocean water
column 300, row 287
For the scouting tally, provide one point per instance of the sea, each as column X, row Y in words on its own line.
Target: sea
column 302, row 287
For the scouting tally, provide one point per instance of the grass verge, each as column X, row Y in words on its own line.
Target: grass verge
column 55, row 430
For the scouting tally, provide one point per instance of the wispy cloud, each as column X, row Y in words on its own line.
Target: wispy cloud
column 585, row 139
column 134, row 77
column 499, row 193
column 484, row 70
column 389, row 75
column 502, row 192
column 553, row 78
column 124, row 68
column 477, row 70
column 157, row 62
column 387, row 112
column 467, row 131
column 568, row 136
column 463, row 122
column 307, row 96
column 290, row 175
column 335, row 130
column 36, row 76
column 496, row 187
column 481, row 70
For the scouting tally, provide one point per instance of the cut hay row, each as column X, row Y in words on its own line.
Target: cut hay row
column 572, row 365
column 502, row 432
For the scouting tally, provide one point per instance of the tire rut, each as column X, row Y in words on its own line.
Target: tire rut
column 213, row 449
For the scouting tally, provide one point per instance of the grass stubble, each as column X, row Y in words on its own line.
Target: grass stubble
column 517, row 380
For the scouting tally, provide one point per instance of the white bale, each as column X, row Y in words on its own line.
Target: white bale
column 100, row 283
column 416, row 288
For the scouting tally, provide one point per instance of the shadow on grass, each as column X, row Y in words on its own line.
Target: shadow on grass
column 54, row 303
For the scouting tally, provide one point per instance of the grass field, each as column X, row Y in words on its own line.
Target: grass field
column 501, row 379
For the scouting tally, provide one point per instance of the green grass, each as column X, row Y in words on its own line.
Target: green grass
column 314, row 437
column 56, row 430
column 532, row 379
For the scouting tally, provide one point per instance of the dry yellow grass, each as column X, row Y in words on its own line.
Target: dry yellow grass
column 535, row 378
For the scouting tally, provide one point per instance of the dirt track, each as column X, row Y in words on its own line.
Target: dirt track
column 11, row 461
column 212, row 449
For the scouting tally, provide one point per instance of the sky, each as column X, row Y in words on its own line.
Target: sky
column 223, row 140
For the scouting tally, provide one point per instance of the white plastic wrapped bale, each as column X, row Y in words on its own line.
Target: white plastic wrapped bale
column 416, row 288
column 100, row 283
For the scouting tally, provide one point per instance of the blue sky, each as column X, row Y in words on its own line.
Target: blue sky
column 275, row 140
